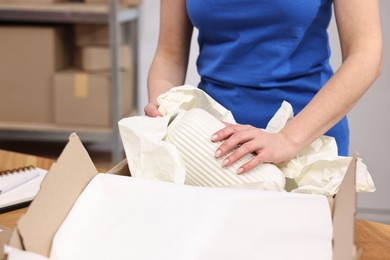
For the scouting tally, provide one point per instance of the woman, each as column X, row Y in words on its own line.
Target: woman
column 254, row 54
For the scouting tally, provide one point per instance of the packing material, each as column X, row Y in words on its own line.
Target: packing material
column 74, row 170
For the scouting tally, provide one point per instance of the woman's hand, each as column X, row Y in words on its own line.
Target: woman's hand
column 151, row 109
column 246, row 139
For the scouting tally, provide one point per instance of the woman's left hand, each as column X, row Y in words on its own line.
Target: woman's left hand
column 245, row 139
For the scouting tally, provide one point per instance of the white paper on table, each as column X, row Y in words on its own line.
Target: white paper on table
column 25, row 192
column 117, row 217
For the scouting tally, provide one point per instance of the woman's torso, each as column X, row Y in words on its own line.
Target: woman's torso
column 255, row 53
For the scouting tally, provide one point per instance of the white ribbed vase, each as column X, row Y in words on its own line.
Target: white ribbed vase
column 191, row 133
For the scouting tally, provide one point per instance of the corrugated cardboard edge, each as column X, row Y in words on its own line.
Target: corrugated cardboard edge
column 344, row 212
column 121, row 168
column 59, row 191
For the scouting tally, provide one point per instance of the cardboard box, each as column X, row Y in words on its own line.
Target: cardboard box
column 123, row 2
column 94, row 35
column 5, row 234
column 29, row 56
column 98, row 58
column 85, row 99
column 74, row 169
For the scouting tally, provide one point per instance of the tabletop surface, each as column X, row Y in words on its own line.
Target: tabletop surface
column 371, row 237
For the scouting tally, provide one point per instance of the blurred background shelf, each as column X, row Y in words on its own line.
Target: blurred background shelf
column 122, row 22
column 64, row 13
column 53, row 132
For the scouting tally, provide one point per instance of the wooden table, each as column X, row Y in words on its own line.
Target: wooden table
column 373, row 238
column 10, row 160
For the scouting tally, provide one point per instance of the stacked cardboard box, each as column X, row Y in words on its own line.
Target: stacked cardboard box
column 29, row 57
column 95, row 35
column 85, row 98
column 82, row 96
column 98, row 58
column 38, row 84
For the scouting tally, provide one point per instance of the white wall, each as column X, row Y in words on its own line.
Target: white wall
column 370, row 128
column 369, row 120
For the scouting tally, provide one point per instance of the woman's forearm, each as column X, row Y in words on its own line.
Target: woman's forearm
column 358, row 23
column 165, row 74
column 336, row 98
column 169, row 66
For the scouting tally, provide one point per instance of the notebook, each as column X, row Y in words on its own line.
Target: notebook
column 19, row 187
column 10, row 179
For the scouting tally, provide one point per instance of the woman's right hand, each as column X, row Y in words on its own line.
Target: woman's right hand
column 151, row 109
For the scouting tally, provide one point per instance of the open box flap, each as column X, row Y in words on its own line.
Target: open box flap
column 344, row 212
column 60, row 189
column 5, row 234
column 121, row 168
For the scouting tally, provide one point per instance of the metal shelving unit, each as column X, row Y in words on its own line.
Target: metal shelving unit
column 115, row 16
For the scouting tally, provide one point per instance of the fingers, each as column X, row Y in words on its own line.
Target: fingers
column 239, row 141
column 240, row 152
column 234, row 136
column 152, row 110
column 226, row 132
column 256, row 160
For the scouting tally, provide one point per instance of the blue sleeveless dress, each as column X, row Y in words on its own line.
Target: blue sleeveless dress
column 253, row 54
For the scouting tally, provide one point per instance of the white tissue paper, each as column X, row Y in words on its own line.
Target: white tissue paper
column 154, row 151
column 186, row 97
column 317, row 168
column 177, row 147
column 148, row 155
column 117, row 217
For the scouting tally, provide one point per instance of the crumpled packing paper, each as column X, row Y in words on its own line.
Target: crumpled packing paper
column 146, row 219
column 186, row 97
column 177, row 147
column 316, row 169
